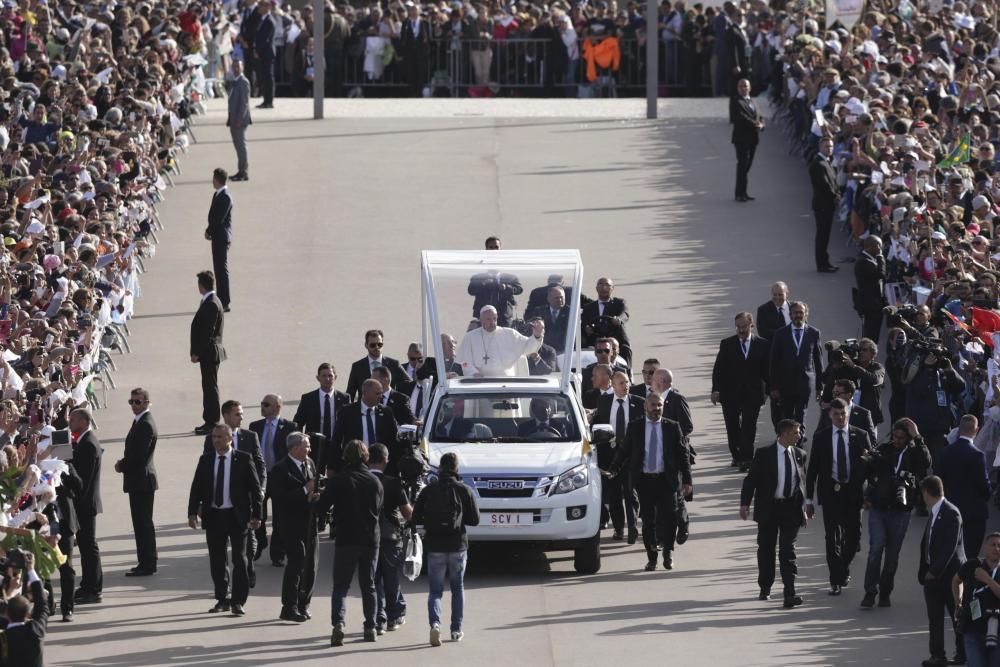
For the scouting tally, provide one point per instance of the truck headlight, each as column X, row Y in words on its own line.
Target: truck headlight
column 571, row 480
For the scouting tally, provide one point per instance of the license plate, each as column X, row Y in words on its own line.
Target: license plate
column 505, row 519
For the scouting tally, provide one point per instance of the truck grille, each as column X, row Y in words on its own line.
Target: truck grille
column 512, row 486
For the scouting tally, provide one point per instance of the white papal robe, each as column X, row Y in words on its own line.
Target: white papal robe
column 495, row 353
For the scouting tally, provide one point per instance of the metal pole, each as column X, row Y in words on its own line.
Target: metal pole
column 652, row 57
column 319, row 59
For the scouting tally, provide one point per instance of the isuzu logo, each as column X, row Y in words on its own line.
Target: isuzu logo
column 505, row 484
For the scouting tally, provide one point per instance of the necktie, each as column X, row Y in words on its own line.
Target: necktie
column 743, row 344
column 841, row 457
column 371, row 427
column 269, row 444
column 420, row 402
column 305, row 472
column 620, row 421
column 788, row 476
column 652, row 443
column 555, row 314
column 220, row 482
column 798, row 337
column 327, row 422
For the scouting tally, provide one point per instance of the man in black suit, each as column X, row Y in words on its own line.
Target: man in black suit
column 272, row 431
column 263, row 44
column 207, row 350
column 826, row 198
column 70, row 488
column 776, row 486
column 747, row 125
column 795, row 364
column 87, row 453
column 739, row 382
column 539, row 296
column 773, row 315
column 493, row 288
column 226, row 494
column 366, row 420
column 361, row 369
column 246, row 441
column 857, row 416
column 139, row 480
column 837, row 471
column 220, row 233
column 555, row 314
column 318, row 409
column 617, row 491
column 24, row 636
column 295, row 490
column 600, row 385
column 869, row 274
column 397, row 402
column 739, row 51
column 543, row 422
column 962, row 469
column 649, row 367
column 449, row 425
column 942, row 552
column 606, row 317
column 390, row 609
column 415, row 47
column 658, row 461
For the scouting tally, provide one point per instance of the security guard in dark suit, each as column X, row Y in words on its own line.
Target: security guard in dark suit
column 22, row 639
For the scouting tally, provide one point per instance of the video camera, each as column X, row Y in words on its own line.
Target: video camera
column 839, row 351
column 523, row 327
column 894, row 315
column 905, row 483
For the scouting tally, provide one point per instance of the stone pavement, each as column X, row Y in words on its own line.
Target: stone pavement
column 327, row 235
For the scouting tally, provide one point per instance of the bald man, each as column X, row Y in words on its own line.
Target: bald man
column 272, row 431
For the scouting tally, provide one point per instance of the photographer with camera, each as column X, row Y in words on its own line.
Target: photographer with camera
column 931, row 393
column 894, row 471
column 977, row 598
column 855, row 360
column 22, row 638
column 896, row 354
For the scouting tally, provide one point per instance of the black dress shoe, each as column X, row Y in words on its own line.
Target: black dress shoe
column 67, row 617
column 305, row 612
column 884, row 601
column 828, row 269
column 337, row 636
column 651, row 565
column 89, row 598
column 934, row 662
column 749, row 198
column 957, row 660
column 292, row 614
column 741, row 198
column 618, row 535
column 683, row 534
column 633, row 535
column 868, row 601
column 764, row 594
column 140, row 572
column 370, row 635
column 744, row 467
column 239, row 176
column 220, row 606
column 265, row 106
column 204, row 429
column 792, row 601
column 226, row 309
column 278, row 563
column 237, row 610
column 835, row 590
column 668, row 560
column 846, row 582
column 261, row 545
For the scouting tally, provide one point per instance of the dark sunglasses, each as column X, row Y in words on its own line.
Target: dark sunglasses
column 265, row 405
column 602, row 351
column 375, row 344
column 414, row 360
column 135, row 401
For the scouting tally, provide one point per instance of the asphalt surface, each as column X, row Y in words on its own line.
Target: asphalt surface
column 327, row 236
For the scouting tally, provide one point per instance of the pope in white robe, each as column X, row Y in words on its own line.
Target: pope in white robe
column 492, row 351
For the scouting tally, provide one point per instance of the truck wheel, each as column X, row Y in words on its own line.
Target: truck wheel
column 587, row 558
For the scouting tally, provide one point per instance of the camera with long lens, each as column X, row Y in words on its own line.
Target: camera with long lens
column 840, row 351
column 412, row 464
column 992, row 617
column 894, row 315
column 904, row 484
column 523, row 327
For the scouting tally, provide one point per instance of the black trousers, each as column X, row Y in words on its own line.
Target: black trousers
column 842, row 524
column 793, row 407
column 300, row 571
column 67, row 575
column 220, row 265
column 973, row 532
column 779, row 529
column 938, row 598
column 619, row 496
column 744, row 160
column 416, row 73
column 141, row 506
column 275, row 547
column 775, row 412
column 265, row 77
column 658, row 508
column 92, row 576
column 210, row 414
column 871, row 324
column 222, row 531
column 824, row 223
column 741, row 428
column 334, row 72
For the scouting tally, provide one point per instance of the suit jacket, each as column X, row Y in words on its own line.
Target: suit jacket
column 602, row 415
column 497, row 290
column 791, row 368
column 869, row 274
column 639, row 390
column 86, row 460
column 745, row 119
column 399, row 404
column 560, row 424
column 739, row 379
column 245, row 489
column 946, row 551
column 540, row 295
column 349, row 427
column 206, row 331
column 248, row 443
column 411, row 45
column 768, row 320
column 239, row 103
column 821, row 459
column 591, row 397
column 287, row 488
column 309, row 415
column 220, row 218
column 281, row 433
column 555, row 329
column 676, row 460
column 676, row 408
column 138, row 471
column 361, row 371
column 826, row 192
column 859, row 418
column 761, row 482
column 24, row 643
column 594, row 328
column 963, row 470
column 263, row 40
column 739, row 46
column 66, row 494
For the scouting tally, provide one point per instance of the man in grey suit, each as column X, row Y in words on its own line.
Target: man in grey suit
column 239, row 119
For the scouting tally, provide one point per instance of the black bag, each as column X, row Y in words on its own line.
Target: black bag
column 442, row 508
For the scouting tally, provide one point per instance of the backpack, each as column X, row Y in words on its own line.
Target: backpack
column 442, row 508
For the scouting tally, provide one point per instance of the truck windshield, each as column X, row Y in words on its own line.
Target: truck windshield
column 508, row 417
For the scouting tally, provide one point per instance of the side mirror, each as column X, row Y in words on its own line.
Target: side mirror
column 602, row 434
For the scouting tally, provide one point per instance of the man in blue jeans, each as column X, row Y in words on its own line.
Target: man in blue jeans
column 894, row 472
column 391, row 608
column 444, row 508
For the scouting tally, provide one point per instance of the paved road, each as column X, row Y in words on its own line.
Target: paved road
column 326, row 242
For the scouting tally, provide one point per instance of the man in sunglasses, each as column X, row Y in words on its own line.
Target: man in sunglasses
column 139, row 481
column 362, row 369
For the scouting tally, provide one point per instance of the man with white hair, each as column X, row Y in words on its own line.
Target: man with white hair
column 492, row 351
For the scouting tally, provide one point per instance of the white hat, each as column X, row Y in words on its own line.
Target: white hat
column 979, row 201
column 59, row 72
column 939, row 236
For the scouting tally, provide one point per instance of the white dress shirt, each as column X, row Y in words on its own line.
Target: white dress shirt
column 227, row 501
column 614, row 410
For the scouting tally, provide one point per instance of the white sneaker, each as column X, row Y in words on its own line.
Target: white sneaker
column 457, row 636
column 435, row 636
